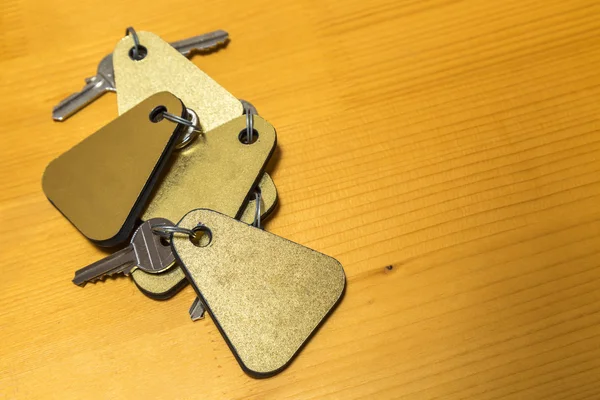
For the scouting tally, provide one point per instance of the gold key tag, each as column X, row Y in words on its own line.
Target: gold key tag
column 163, row 68
column 217, row 171
column 102, row 184
column 167, row 284
column 266, row 294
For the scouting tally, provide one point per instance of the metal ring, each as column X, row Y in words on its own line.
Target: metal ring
column 178, row 120
column 136, row 41
column 257, row 215
column 249, row 110
column 167, row 230
column 190, row 132
column 249, row 128
column 248, row 107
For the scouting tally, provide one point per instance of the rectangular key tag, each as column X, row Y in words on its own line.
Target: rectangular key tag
column 160, row 67
column 102, row 184
column 217, row 171
column 266, row 294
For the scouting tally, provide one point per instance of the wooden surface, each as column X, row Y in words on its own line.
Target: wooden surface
column 446, row 152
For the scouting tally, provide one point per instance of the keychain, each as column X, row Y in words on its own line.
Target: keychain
column 181, row 143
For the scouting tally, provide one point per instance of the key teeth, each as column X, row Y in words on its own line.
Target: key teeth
column 216, row 46
column 102, row 277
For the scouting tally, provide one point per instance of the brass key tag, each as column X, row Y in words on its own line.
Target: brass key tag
column 291, row 288
column 163, row 68
column 167, row 284
column 216, row 171
column 102, row 184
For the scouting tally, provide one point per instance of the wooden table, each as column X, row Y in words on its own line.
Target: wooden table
column 446, row 152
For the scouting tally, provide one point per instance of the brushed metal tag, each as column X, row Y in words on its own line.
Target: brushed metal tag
column 291, row 288
column 216, row 171
column 167, row 284
column 102, row 184
column 165, row 69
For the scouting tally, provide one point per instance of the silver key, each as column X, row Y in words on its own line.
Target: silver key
column 197, row 310
column 96, row 86
column 104, row 81
column 202, row 43
column 146, row 251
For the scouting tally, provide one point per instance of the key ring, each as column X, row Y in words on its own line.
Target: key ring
column 167, row 230
column 257, row 215
column 249, row 110
column 248, row 107
column 136, row 42
column 191, row 130
column 178, row 120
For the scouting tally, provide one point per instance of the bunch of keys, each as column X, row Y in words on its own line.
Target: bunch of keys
column 178, row 181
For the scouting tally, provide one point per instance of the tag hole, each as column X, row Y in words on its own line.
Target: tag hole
column 202, row 236
column 243, row 136
column 164, row 241
column 142, row 53
column 156, row 115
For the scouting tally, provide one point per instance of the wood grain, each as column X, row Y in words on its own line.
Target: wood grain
column 447, row 152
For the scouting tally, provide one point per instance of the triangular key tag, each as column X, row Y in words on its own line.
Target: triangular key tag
column 267, row 295
column 102, row 184
column 163, row 68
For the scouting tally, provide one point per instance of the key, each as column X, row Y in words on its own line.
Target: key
column 95, row 87
column 197, row 310
column 201, row 43
column 146, row 252
column 104, row 80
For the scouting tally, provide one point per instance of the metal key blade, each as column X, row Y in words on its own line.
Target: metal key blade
column 146, row 252
column 95, row 88
column 206, row 42
column 113, row 264
column 197, row 310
